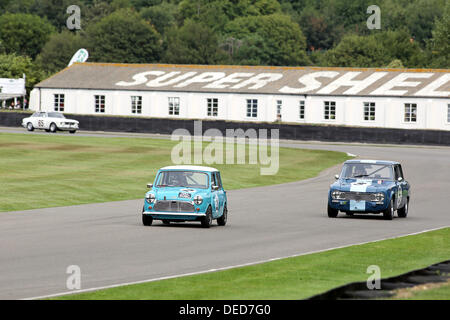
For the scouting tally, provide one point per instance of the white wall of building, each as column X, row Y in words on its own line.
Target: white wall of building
column 432, row 113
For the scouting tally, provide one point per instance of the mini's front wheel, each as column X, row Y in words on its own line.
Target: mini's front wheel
column 53, row 128
column 146, row 219
column 207, row 220
column 223, row 219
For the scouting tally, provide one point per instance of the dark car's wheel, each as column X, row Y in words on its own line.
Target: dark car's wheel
column 53, row 127
column 388, row 214
column 30, row 126
column 146, row 219
column 166, row 222
column 207, row 220
column 332, row 213
column 403, row 212
column 223, row 219
column 72, row 131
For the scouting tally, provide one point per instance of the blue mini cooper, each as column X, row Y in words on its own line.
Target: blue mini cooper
column 370, row 186
column 186, row 193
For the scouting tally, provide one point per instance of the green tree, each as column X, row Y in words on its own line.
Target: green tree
column 17, row 6
column 14, row 66
column 252, row 50
column 140, row 4
column 161, row 16
column 217, row 13
column 396, row 64
column 123, row 36
column 351, row 14
column 356, row 51
column 193, row 43
column 393, row 14
column 320, row 34
column 24, row 34
column 121, row 4
column 276, row 39
column 421, row 16
column 58, row 50
column 440, row 43
column 92, row 13
column 375, row 50
column 53, row 10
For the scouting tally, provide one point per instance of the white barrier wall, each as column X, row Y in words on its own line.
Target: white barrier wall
column 389, row 111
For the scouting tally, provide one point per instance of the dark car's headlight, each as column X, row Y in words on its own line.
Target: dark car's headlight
column 150, row 198
column 198, row 199
column 337, row 195
column 378, row 197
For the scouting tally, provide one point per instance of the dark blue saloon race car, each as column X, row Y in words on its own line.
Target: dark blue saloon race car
column 370, row 186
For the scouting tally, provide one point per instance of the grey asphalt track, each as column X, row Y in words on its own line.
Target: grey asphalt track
column 111, row 246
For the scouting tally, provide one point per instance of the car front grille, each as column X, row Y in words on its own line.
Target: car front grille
column 173, row 206
column 358, row 196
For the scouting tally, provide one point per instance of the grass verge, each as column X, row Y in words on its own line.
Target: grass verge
column 295, row 278
column 40, row 171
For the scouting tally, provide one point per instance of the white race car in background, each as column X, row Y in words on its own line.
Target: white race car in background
column 50, row 122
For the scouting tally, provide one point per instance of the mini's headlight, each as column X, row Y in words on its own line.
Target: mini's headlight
column 336, row 194
column 150, row 198
column 198, row 199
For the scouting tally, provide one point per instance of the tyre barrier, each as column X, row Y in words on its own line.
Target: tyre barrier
column 439, row 272
column 304, row 132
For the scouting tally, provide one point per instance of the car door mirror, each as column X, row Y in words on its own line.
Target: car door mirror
column 400, row 179
column 149, row 185
column 215, row 188
column 336, row 176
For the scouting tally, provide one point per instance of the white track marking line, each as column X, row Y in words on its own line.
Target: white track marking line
column 224, row 268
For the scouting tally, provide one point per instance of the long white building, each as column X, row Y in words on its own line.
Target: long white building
column 391, row 98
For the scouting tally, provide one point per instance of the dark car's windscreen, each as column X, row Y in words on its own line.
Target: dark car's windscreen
column 187, row 179
column 367, row 171
column 56, row 115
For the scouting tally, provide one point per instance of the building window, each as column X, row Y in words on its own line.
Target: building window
column 330, row 110
column 59, row 102
column 448, row 113
column 213, row 107
column 100, row 104
column 279, row 106
column 410, row 112
column 174, row 106
column 252, row 108
column 369, row 111
column 136, row 104
column 301, row 110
